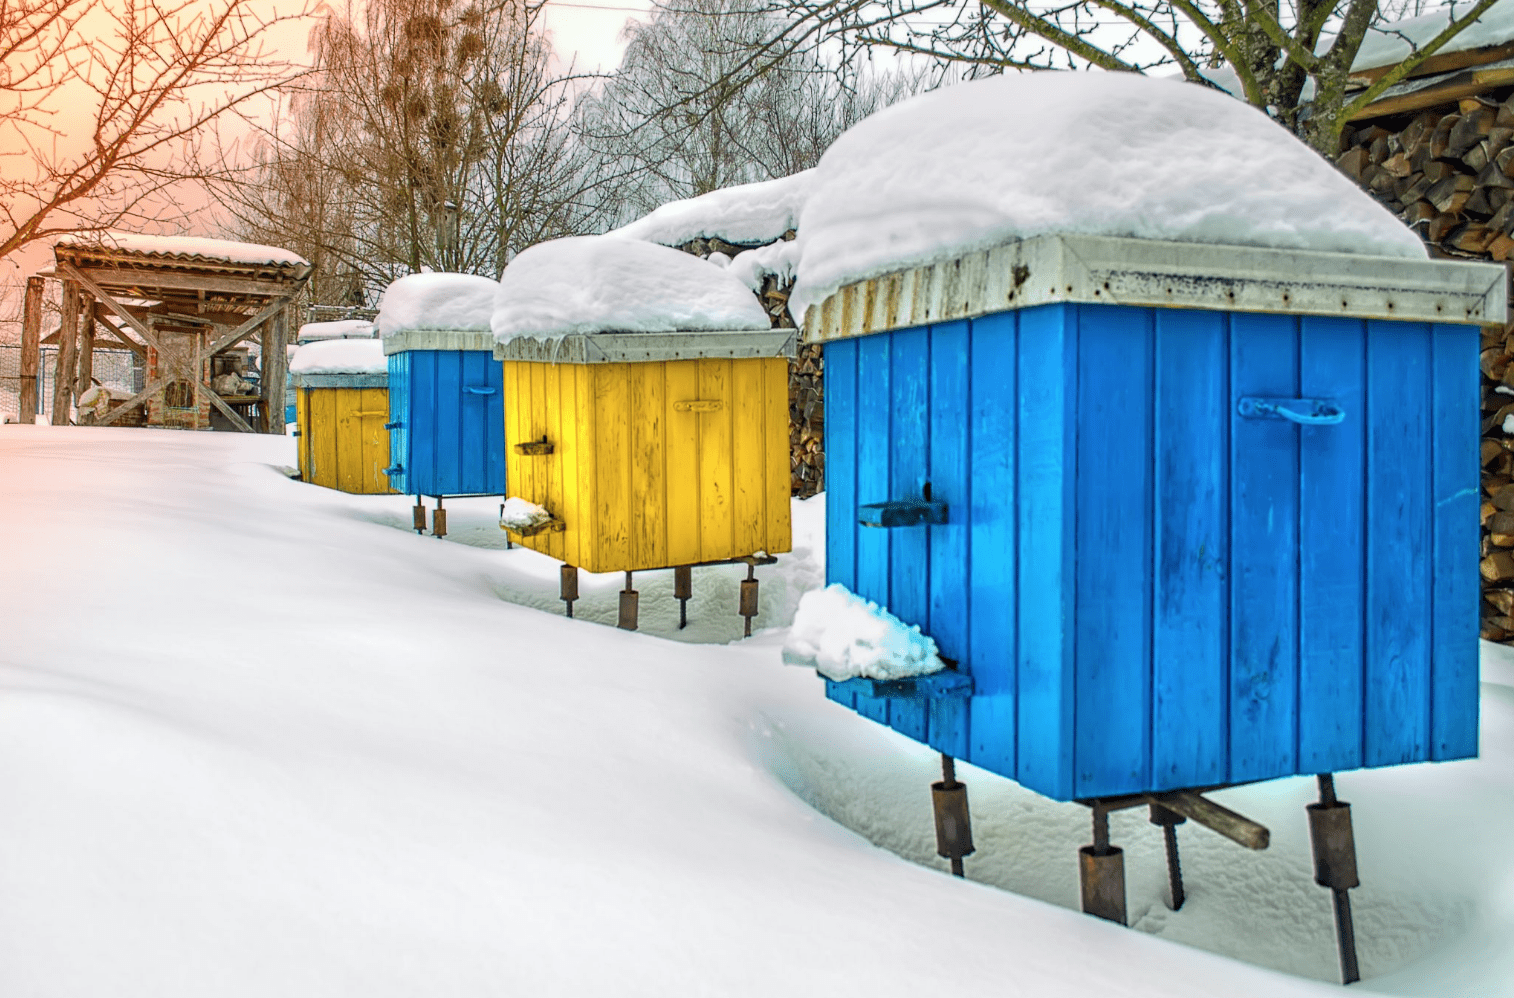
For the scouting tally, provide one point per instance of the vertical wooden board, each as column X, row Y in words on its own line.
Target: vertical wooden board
column 909, row 470
column 302, row 420
column 347, row 439
column 424, row 425
column 874, row 395
column 649, row 497
column 375, row 404
column 566, row 445
column 1263, row 551
column 1399, row 512
column 747, row 466
column 513, row 461
column 1115, row 455
column 1332, row 530
column 716, row 502
column 1189, row 705
column 323, row 451
column 683, row 475
column 840, row 476
column 496, row 481
column 450, row 424
column 399, row 416
column 778, row 528
column 612, row 456
column 587, row 494
column 1043, row 536
column 950, row 474
column 550, row 465
column 1454, row 648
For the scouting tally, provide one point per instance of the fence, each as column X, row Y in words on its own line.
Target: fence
column 118, row 369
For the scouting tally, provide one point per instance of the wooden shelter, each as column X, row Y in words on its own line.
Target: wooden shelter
column 184, row 305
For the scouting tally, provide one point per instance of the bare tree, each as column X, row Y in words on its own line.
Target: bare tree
column 1291, row 59
column 105, row 105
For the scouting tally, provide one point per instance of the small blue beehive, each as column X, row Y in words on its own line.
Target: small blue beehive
column 1211, row 513
column 446, row 392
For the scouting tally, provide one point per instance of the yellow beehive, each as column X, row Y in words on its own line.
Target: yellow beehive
column 651, row 450
column 340, row 413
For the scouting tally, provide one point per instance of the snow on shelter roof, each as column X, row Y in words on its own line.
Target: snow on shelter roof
column 744, row 214
column 981, row 164
column 183, row 248
column 437, row 311
column 1391, row 42
column 594, row 285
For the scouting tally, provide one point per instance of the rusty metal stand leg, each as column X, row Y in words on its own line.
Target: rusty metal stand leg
column 418, row 516
column 567, row 587
column 748, row 608
column 439, row 520
column 628, row 597
column 683, row 590
column 1101, row 872
column 1335, row 867
column 954, row 830
column 1170, row 820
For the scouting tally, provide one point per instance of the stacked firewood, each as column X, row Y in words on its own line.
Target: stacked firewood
column 806, row 377
column 1449, row 174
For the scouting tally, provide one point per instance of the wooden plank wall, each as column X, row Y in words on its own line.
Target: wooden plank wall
column 343, row 444
column 454, row 432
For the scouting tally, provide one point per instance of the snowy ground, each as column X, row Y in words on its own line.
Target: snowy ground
column 257, row 738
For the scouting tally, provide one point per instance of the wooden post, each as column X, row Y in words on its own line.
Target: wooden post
column 68, row 341
column 88, row 313
column 275, row 368
column 31, row 338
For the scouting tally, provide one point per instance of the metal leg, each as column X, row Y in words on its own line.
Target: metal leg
column 567, row 588
column 1170, row 820
column 628, row 598
column 1335, row 867
column 683, row 590
column 954, row 830
column 439, row 520
column 418, row 516
column 1101, row 872
column 748, row 608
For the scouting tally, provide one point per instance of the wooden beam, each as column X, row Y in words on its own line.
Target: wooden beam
column 1446, row 63
column 1463, row 85
column 87, row 311
column 67, row 364
column 226, row 410
column 31, row 331
column 116, row 336
column 152, row 388
column 247, row 328
column 275, row 368
column 112, row 304
column 142, row 282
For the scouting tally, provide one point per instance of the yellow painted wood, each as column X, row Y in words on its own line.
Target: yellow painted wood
column 302, row 420
column 347, row 440
column 343, row 444
column 375, row 439
column 641, row 482
column 323, row 438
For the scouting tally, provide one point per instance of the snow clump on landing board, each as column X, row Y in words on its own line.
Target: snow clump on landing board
column 844, row 636
column 980, row 164
column 450, row 302
column 607, row 284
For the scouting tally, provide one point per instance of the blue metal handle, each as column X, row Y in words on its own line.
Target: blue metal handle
column 478, row 391
column 394, row 425
column 394, row 469
column 1305, row 412
column 901, row 513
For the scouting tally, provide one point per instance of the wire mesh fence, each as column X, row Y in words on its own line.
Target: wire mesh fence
column 116, row 369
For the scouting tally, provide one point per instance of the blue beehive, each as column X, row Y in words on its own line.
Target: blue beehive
column 446, row 391
column 1211, row 512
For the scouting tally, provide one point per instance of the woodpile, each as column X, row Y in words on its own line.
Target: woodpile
column 806, row 377
column 1448, row 173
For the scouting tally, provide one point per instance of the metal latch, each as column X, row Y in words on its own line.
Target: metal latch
column 698, row 405
column 1306, row 412
column 902, row 513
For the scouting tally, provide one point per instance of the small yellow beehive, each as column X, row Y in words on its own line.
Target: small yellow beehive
column 341, row 401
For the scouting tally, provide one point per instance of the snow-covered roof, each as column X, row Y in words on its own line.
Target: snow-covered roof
column 1391, row 42
column 183, row 247
column 980, row 164
column 609, row 284
column 340, row 357
column 340, row 329
column 437, row 301
column 745, row 214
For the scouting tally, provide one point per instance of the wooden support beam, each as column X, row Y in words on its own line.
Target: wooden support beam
column 275, row 369
column 147, row 281
column 112, row 304
column 1235, row 827
column 249, row 327
column 87, row 310
column 116, row 336
column 67, row 365
column 31, row 334
column 153, row 387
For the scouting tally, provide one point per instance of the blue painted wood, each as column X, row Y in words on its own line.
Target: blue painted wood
column 1332, row 538
column 874, row 448
column 909, row 471
column 1114, row 513
column 1397, row 682
column 1263, row 551
column 447, row 447
column 840, row 375
column 1454, row 585
column 1190, row 664
column 451, row 405
column 399, row 421
column 948, row 568
column 1042, row 523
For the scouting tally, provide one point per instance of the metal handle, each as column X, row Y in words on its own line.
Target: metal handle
column 901, row 513
column 1305, row 412
column 471, row 390
column 394, row 425
column 698, row 405
column 394, row 469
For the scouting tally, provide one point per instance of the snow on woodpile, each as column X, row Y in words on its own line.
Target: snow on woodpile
column 1392, row 42
column 602, row 284
column 218, row 250
column 340, row 357
column 844, row 636
column 452, row 302
column 776, row 259
column 340, row 329
column 745, row 214
column 979, row 164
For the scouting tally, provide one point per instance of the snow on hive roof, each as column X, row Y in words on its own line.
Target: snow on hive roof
column 454, row 302
column 980, row 164
column 186, row 247
column 341, row 329
column 748, row 213
column 604, row 284
column 1391, row 42
column 340, row 357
